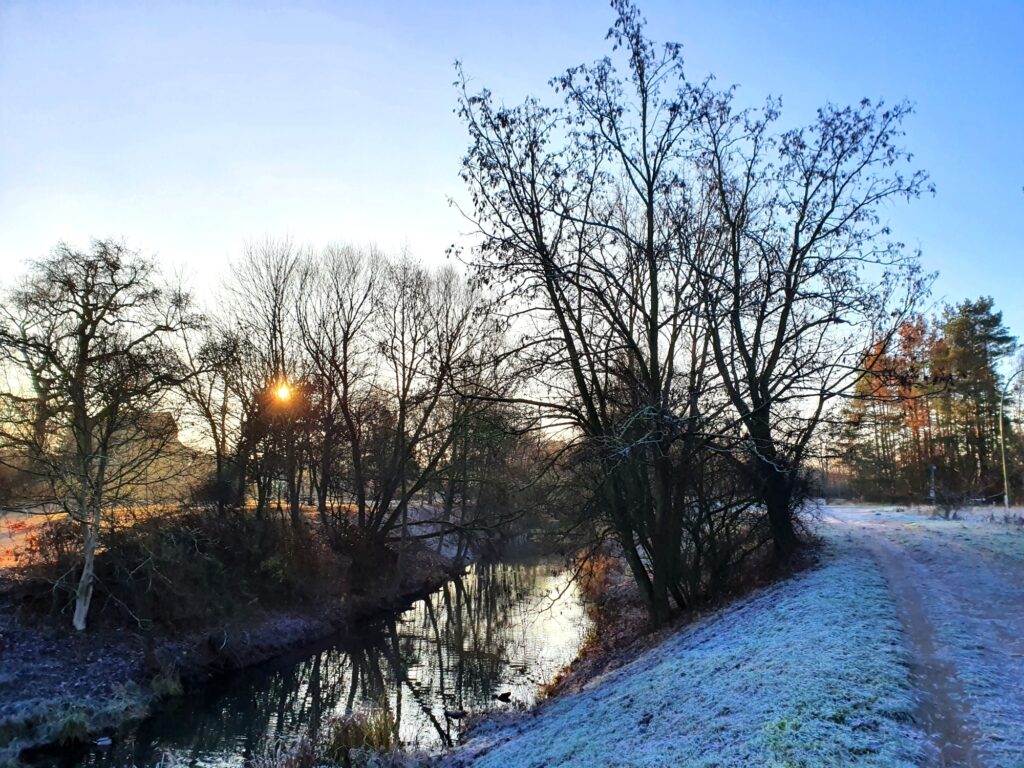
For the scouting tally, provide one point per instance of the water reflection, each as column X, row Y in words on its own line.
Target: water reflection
column 501, row 628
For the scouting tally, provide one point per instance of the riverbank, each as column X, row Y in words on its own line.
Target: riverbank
column 57, row 686
column 809, row 671
column 622, row 626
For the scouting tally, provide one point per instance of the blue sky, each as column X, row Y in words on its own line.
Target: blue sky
column 187, row 127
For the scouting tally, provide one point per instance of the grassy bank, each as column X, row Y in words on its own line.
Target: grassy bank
column 796, row 674
column 621, row 623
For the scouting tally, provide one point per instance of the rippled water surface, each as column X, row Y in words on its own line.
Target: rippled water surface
column 500, row 628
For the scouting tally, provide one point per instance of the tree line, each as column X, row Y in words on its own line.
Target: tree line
column 926, row 417
column 339, row 379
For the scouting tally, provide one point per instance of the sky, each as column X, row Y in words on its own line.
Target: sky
column 186, row 128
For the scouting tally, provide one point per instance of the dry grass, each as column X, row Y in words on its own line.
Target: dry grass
column 358, row 740
column 347, row 737
column 298, row 754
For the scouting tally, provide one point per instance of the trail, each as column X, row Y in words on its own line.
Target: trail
column 959, row 593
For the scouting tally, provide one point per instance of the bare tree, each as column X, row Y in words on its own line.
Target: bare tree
column 211, row 355
column 801, row 277
column 582, row 213
column 427, row 326
column 339, row 292
column 264, row 317
column 395, row 356
column 87, row 339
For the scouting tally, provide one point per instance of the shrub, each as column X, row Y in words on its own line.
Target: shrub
column 303, row 753
column 948, row 504
column 166, row 684
column 73, row 728
column 594, row 572
column 187, row 567
column 351, row 737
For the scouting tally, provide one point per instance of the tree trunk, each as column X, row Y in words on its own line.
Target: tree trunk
column 776, row 481
column 666, row 537
column 83, row 593
column 325, row 474
column 643, row 580
column 295, row 496
column 778, row 498
column 221, row 488
column 262, row 494
column 241, row 477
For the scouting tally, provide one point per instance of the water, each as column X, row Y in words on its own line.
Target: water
column 500, row 628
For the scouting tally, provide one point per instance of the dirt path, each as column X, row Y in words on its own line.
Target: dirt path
column 961, row 601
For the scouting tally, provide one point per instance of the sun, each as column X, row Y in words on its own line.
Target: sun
column 283, row 392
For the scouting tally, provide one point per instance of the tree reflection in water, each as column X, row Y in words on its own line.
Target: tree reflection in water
column 502, row 627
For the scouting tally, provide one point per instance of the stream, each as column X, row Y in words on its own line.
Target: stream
column 500, row 628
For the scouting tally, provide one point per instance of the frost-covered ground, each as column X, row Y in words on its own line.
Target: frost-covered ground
column 959, row 587
column 811, row 672
column 904, row 647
